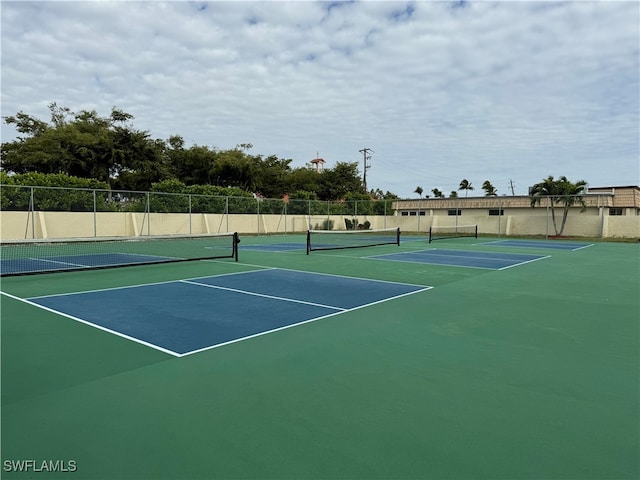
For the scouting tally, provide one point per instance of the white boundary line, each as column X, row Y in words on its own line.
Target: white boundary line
column 138, row 285
column 420, row 288
column 57, row 262
column 378, row 257
column 80, row 266
column 261, row 267
column 431, row 263
column 584, row 246
column 540, row 245
column 266, row 332
column 247, row 292
column 524, row 263
column 99, row 327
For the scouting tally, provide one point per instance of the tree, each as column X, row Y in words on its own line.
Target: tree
column 82, row 144
column 383, row 202
column 139, row 161
column 303, row 179
column 272, row 173
column 108, row 149
column 336, row 182
column 490, row 190
column 195, row 165
column 234, row 168
column 437, row 193
column 466, row 186
column 559, row 192
column 419, row 191
column 453, row 194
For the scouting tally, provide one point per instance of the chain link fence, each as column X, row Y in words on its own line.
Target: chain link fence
column 30, row 212
column 43, row 212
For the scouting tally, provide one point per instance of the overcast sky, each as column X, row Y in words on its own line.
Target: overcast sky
column 440, row 91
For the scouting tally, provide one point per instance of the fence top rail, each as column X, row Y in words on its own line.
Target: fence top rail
column 249, row 196
column 136, row 192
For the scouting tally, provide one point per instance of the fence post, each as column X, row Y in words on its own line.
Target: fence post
column 95, row 216
column 546, row 231
column 499, row 214
column 328, row 215
column 190, row 229
column 385, row 214
column 148, row 215
column 32, row 207
column 258, row 215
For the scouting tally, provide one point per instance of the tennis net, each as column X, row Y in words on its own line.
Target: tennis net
column 26, row 257
column 332, row 240
column 437, row 232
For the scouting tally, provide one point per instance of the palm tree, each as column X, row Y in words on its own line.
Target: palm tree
column 453, row 194
column 437, row 193
column 490, row 190
column 466, row 186
column 559, row 192
column 419, row 191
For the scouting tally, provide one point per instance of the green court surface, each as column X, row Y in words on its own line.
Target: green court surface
column 531, row 372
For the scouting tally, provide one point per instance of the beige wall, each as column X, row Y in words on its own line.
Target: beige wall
column 525, row 221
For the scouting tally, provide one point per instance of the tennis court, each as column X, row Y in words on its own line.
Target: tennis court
column 300, row 363
column 175, row 317
column 542, row 244
column 462, row 258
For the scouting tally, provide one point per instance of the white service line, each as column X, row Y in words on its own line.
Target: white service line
column 246, row 292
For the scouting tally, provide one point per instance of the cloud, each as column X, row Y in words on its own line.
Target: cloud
column 440, row 91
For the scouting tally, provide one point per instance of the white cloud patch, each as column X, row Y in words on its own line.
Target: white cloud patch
column 440, row 91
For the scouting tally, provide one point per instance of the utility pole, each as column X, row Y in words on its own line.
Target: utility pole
column 511, row 186
column 365, row 152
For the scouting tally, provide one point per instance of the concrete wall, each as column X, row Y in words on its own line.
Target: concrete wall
column 526, row 221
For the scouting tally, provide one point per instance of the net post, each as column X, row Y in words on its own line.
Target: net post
column 398, row 236
column 308, row 241
column 476, row 231
column 430, row 233
column 236, row 241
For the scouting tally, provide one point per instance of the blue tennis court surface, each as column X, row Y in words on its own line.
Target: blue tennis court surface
column 69, row 262
column 462, row 258
column 553, row 245
column 187, row 316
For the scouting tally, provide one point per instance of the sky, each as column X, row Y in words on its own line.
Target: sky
column 510, row 92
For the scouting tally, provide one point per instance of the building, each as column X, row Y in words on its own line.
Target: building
column 318, row 163
column 610, row 212
column 606, row 200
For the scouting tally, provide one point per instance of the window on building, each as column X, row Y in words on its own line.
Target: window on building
column 457, row 212
column 616, row 211
column 413, row 213
column 496, row 211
